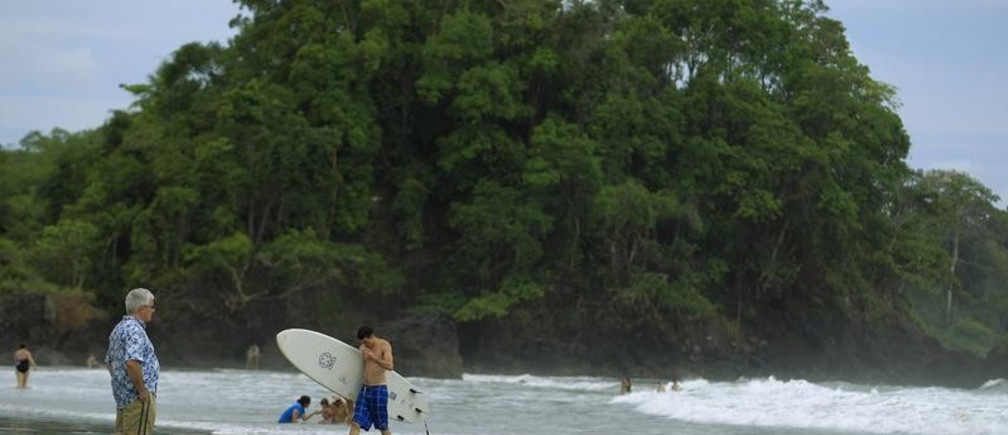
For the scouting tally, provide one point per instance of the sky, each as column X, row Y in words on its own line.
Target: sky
column 63, row 61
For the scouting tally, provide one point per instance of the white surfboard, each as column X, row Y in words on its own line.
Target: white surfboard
column 340, row 368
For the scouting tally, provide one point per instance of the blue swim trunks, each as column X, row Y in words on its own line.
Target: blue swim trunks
column 372, row 407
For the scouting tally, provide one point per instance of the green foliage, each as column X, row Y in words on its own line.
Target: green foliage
column 300, row 259
column 499, row 231
column 973, row 336
column 408, row 206
column 681, row 296
column 663, row 159
column 63, row 252
column 965, row 334
column 512, row 291
column 16, row 275
column 225, row 255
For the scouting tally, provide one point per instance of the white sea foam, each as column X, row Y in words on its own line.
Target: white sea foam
column 539, row 382
column 995, row 384
column 239, row 401
column 797, row 404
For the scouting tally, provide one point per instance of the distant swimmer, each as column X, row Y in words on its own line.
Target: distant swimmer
column 252, row 357
column 675, row 384
column 91, row 361
column 23, row 362
column 661, row 386
column 625, row 386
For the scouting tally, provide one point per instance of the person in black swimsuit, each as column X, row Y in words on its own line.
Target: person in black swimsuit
column 23, row 362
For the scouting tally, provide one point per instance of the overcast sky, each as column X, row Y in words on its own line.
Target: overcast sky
column 63, row 61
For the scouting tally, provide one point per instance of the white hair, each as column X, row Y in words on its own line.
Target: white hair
column 137, row 298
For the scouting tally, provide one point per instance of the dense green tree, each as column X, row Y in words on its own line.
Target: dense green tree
column 663, row 161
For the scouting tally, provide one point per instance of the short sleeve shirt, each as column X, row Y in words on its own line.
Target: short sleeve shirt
column 129, row 341
column 288, row 415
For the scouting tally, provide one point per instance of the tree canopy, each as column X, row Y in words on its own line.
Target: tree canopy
column 673, row 159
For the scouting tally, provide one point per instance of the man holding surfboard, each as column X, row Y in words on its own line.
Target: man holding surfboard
column 372, row 400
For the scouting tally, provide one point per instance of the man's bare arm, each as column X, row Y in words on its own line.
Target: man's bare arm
column 385, row 357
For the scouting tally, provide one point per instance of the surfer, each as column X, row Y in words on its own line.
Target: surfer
column 296, row 411
column 134, row 366
column 372, row 400
column 625, row 386
column 675, row 384
column 23, row 362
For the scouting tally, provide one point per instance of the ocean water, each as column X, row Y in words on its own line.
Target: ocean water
column 78, row 400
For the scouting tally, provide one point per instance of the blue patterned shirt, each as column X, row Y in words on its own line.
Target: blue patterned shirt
column 129, row 341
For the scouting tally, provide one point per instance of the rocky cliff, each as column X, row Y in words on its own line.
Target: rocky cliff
column 63, row 330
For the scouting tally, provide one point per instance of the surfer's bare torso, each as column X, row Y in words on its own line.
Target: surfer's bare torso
column 377, row 360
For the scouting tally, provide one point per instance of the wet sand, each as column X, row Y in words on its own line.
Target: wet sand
column 46, row 427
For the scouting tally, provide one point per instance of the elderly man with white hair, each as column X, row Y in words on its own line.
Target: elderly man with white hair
column 134, row 366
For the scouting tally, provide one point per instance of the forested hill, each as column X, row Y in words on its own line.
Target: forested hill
column 643, row 172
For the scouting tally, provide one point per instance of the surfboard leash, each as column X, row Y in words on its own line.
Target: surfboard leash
column 425, row 426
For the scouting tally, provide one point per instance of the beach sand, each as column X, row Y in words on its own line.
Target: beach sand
column 46, row 427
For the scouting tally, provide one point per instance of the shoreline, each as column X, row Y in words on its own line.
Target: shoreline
column 54, row 426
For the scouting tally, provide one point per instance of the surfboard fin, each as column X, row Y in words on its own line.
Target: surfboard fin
column 400, row 418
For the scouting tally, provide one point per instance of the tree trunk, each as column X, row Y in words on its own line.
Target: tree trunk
column 952, row 268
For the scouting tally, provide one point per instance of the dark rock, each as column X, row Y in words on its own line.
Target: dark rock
column 425, row 346
column 60, row 329
column 584, row 340
column 22, row 319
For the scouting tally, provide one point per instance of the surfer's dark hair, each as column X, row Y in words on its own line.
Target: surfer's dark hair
column 304, row 401
column 364, row 332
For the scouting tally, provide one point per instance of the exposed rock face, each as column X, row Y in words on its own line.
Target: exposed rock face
column 425, row 346
column 65, row 329
column 58, row 329
column 24, row 318
column 534, row 340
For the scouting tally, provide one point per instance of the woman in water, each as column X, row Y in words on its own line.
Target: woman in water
column 23, row 361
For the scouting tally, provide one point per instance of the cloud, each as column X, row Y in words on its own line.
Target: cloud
column 42, row 67
column 63, row 60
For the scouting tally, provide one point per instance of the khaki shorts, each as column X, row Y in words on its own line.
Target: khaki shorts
column 136, row 418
